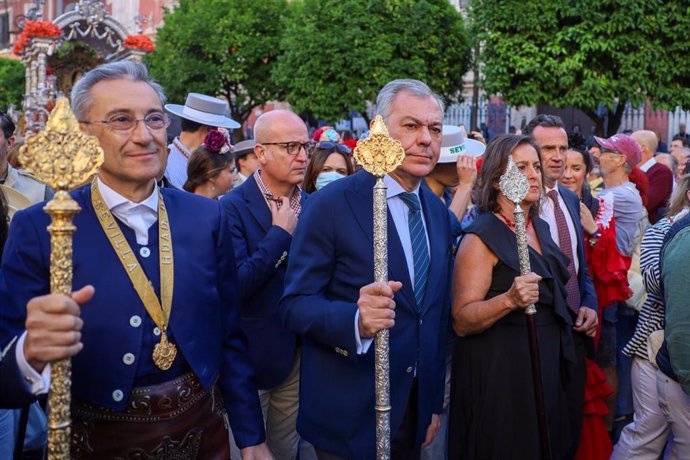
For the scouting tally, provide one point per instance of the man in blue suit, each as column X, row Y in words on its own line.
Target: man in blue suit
column 561, row 209
column 263, row 214
column 332, row 302
column 148, row 375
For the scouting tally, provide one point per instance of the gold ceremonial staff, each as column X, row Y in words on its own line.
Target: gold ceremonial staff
column 379, row 154
column 63, row 157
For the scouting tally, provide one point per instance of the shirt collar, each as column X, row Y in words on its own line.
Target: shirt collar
column 395, row 189
column 113, row 199
column 648, row 164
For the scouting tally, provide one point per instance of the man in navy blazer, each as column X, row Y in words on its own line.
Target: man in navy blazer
column 124, row 403
column 263, row 214
column 548, row 132
column 332, row 301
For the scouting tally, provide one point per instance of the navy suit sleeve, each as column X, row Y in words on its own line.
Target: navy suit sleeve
column 236, row 382
column 256, row 269
column 24, row 275
column 306, row 308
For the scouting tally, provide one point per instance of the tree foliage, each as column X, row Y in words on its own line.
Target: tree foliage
column 12, row 83
column 586, row 53
column 220, row 47
column 337, row 54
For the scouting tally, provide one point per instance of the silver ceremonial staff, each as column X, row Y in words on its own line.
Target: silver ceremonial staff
column 379, row 154
column 63, row 157
column 515, row 186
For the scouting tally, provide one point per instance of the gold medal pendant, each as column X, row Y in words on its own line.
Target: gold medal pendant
column 164, row 353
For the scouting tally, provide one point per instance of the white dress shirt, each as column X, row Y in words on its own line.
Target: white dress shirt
column 137, row 216
column 548, row 214
column 400, row 214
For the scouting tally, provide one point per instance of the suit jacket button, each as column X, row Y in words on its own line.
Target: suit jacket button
column 135, row 321
column 409, row 370
column 117, row 395
column 156, row 331
column 128, row 359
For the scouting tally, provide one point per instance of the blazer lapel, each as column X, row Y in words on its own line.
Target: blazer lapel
column 439, row 246
column 257, row 204
column 361, row 201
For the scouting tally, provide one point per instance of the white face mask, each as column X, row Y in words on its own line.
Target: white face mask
column 326, row 178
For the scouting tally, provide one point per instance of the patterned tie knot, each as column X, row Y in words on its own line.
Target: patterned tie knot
column 553, row 194
column 411, row 200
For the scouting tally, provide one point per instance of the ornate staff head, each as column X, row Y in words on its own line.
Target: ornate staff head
column 513, row 184
column 62, row 155
column 379, row 153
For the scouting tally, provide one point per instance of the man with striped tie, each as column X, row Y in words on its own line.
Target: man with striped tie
column 561, row 209
column 332, row 302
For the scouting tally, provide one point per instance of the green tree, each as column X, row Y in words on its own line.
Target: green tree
column 220, row 47
column 337, row 54
column 585, row 53
column 11, row 83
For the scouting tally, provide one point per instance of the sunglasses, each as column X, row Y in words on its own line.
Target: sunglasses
column 329, row 146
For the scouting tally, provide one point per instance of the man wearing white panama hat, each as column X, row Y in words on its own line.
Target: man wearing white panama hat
column 199, row 114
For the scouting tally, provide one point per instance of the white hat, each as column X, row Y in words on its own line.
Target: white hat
column 207, row 110
column 453, row 143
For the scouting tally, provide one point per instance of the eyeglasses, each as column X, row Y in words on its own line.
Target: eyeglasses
column 153, row 121
column 293, row 148
column 342, row 148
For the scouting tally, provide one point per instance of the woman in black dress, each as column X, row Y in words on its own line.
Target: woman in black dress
column 493, row 412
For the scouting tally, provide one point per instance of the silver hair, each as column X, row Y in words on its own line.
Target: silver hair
column 416, row 88
column 129, row 70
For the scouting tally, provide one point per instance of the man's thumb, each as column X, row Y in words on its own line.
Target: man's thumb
column 84, row 294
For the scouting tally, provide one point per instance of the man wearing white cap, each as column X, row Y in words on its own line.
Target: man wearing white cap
column 452, row 177
column 199, row 114
column 451, row 180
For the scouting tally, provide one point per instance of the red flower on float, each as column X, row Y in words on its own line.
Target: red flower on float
column 38, row 29
column 139, row 42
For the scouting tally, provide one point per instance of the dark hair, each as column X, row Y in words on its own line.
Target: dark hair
column 318, row 159
column 682, row 139
column 485, row 190
column 586, row 158
column 189, row 126
column 7, row 125
column 545, row 121
column 4, row 224
column 204, row 166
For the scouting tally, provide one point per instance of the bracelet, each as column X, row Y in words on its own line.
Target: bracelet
column 594, row 238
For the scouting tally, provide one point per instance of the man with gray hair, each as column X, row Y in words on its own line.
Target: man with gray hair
column 333, row 303
column 157, row 369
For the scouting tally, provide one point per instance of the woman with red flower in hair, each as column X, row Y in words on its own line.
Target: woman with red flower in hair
column 211, row 170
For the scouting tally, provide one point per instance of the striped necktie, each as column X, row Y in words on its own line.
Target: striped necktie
column 572, row 287
column 420, row 250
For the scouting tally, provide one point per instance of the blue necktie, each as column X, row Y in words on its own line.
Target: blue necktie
column 420, row 251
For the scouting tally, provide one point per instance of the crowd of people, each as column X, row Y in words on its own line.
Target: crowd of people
column 225, row 303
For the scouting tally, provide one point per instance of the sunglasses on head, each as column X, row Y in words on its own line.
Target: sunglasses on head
column 342, row 148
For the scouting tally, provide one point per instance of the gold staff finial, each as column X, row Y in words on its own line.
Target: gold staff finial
column 379, row 154
column 63, row 157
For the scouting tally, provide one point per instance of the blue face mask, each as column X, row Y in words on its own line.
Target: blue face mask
column 326, row 178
